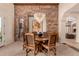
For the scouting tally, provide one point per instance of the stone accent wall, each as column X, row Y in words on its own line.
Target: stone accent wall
column 51, row 11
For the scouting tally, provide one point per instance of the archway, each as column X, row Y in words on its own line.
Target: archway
column 70, row 26
column 63, row 9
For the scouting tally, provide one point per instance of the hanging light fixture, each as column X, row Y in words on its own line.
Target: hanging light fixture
column 39, row 17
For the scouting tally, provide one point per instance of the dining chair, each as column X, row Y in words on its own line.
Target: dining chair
column 51, row 44
column 30, row 43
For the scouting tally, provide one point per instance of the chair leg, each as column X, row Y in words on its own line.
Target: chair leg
column 24, row 46
column 34, row 52
column 48, row 52
column 26, row 52
column 55, row 51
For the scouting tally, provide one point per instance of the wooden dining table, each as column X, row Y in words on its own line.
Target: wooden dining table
column 39, row 40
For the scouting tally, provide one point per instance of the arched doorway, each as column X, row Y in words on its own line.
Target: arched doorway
column 70, row 26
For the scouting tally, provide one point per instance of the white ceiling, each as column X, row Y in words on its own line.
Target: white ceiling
column 75, row 9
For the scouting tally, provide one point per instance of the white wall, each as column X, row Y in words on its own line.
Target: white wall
column 7, row 12
column 77, row 30
column 63, row 8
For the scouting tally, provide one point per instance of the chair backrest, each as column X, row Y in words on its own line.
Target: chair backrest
column 30, row 39
column 52, row 39
column 45, row 34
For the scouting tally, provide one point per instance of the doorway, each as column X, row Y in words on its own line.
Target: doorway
column 71, row 27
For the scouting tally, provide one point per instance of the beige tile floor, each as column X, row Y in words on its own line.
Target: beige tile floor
column 72, row 42
column 15, row 49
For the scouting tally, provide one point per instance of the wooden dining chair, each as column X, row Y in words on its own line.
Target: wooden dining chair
column 30, row 43
column 51, row 44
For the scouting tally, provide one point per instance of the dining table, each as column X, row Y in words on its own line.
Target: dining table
column 39, row 40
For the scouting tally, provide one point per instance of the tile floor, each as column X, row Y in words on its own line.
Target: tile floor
column 15, row 49
column 72, row 42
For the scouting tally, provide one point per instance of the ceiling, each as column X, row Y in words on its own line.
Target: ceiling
column 75, row 9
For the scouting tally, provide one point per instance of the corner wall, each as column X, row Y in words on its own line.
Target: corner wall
column 7, row 12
